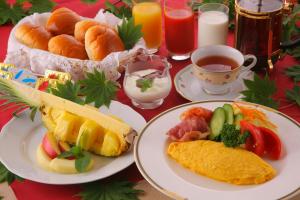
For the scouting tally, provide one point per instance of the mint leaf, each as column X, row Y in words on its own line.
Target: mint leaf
column 144, row 84
column 120, row 12
column 83, row 162
column 89, row 1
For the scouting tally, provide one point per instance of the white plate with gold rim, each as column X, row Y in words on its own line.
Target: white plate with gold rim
column 188, row 86
column 20, row 138
column 178, row 182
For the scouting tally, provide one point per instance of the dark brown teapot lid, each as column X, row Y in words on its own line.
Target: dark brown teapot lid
column 260, row 6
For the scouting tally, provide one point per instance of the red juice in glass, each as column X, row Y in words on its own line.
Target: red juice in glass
column 179, row 32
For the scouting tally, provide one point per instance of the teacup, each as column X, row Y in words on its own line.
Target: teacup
column 219, row 82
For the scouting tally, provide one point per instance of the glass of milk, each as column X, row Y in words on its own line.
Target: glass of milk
column 212, row 24
column 147, row 80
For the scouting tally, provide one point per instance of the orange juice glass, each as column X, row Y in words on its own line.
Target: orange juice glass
column 149, row 15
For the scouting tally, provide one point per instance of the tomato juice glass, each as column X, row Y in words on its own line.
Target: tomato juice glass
column 179, row 29
column 148, row 13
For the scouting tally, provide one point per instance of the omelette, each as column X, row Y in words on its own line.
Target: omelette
column 214, row 160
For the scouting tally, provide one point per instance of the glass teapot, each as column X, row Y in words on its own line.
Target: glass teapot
column 258, row 30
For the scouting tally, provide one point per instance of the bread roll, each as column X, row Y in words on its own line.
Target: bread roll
column 100, row 41
column 33, row 36
column 62, row 21
column 81, row 28
column 67, row 45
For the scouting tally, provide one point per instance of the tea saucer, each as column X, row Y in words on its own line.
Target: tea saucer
column 189, row 87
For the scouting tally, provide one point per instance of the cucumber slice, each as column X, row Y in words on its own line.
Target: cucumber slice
column 228, row 113
column 217, row 122
column 237, row 120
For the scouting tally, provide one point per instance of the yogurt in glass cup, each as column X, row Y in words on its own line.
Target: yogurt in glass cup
column 147, row 80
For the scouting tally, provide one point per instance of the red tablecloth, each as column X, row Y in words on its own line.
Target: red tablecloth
column 29, row 190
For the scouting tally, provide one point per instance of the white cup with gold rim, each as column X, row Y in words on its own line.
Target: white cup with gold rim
column 219, row 82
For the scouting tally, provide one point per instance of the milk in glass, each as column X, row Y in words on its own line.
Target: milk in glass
column 212, row 28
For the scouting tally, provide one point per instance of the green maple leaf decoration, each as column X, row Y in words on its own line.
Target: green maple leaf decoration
column 293, row 72
column 12, row 13
column 260, row 91
column 129, row 33
column 89, row 1
column 7, row 176
column 38, row 6
column 120, row 12
column 117, row 190
column 294, row 94
column 98, row 89
column 67, row 90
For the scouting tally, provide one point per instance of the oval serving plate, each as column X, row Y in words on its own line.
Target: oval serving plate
column 178, row 182
column 20, row 138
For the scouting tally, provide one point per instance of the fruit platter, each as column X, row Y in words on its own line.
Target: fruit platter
column 67, row 138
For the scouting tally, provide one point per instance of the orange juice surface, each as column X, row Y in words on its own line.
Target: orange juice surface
column 149, row 15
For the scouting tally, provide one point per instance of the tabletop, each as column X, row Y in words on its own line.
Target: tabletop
column 32, row 190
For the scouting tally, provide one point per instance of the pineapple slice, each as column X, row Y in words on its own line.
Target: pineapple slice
column 87, row 134
column 97, row 146
column 67, row 127
column 111, row 145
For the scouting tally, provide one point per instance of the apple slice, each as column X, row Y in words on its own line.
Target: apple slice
column 50, row 145
column 42, row 158
column 66, row 166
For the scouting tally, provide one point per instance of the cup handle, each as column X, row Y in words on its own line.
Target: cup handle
column 251, row 65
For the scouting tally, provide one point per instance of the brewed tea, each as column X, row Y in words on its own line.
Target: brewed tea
column 217, row 63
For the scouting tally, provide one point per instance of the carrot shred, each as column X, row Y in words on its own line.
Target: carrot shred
column 253, row 115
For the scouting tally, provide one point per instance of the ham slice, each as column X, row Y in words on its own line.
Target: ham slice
column 192, row 128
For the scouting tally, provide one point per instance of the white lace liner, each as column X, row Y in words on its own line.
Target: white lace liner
column 39, row 60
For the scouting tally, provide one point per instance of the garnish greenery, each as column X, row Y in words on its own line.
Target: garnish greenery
column 294, row 94
column 291, row 30
column 144, row 83
column 96, row 88
column 129, row 33
column 7, row 176
column 14, row 99
column 121, row 12
column 82, row 158
column 231, row 137
column 260, row 91
column 293, row 72
column 1, row 197
column 67, row 90
column 116, row 190
column 16, row 11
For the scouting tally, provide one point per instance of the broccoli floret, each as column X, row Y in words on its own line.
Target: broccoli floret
column 231, row 137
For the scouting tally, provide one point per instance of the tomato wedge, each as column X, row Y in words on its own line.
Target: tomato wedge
column 272, row 143
column 255, row 142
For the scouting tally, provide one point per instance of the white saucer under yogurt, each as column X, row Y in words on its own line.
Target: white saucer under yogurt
column 189, row 87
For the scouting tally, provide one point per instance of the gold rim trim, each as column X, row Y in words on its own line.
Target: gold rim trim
column 173, row 194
